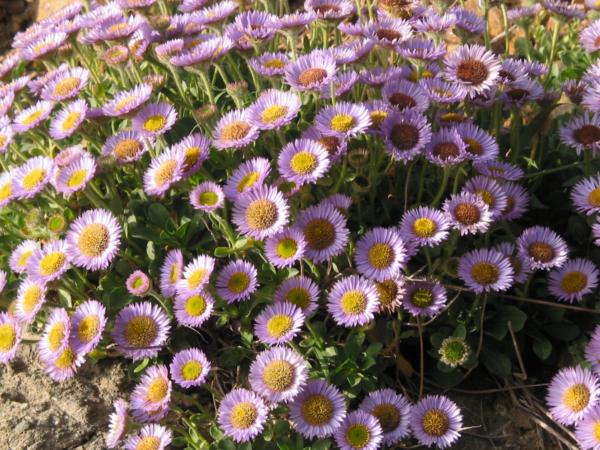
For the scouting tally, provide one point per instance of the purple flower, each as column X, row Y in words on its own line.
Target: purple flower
column 436, row 420
column 155, row 119
column 490, row 191
column 64, row 365
column 310, row 72
column 330, row 9
column 424, row 298
column 342, row 84
column 261, row 212
column 359, row 430
column 300, row 291
column 325, row 232
column 234, row 130
column 404, row 94
column 207, row 197
column 64, row 84
column 572, row 281
column 565, row 9
column 138, row 283
column 31, row 117
column 499, row 170
column 352, row 301
column 441, row 91
column 273, row 109
column 392, row 411
column 32, row 177
column 421, row 49
column 75, row 176
column 189, row 368
column 405, row 134
column 242, row 415
column 485, row 270
column 380, row 254
column 127, row 146
column 389, row 31
column 195, row 151
column 68, row 119
column 87, row 324
column 140, row 330
column 125, row 102
column 572, row 393
column 55, row 338
column 446, row 148
column 45, row 44
column 335, row 146
column 196, row 275
column 164, row 171
column 468, row 213
column 521, row 267
column 157, row 436
column 193, row 309
column 153, row 392
column 278, row 323
column 542, row 247
column 480, row 145
column 117, row 423
column 586, row 430
column 248, row 176
column 343, row 120
column 473, row 67
column 424, row 226
column 285, row 247
column 270, row 64
column 586, row 195
column 21, row 254
column 237, row 281
column 170, row 272
column 303, row 161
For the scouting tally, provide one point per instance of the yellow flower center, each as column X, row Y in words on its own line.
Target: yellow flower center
column 594, row 198
column 261, row 214
column 33, row 178
column 118, row 28
column 93, row 240
column 596, row 431
column 342, row 123
column 138, row 282
column 487, row 197
column 473, row 147
column 287, row 248
column 234, row 131
column 303, row 163
column 52, row 263
column 141, row 331
column 148, row 443
column 174, row 273
column 358, row 435
column 56, row 336
column 574, row 282
column 576, row 397
column 191, row 370
column 5, row 191
column 299, row 297
column 540, row 251
column 377, row 117
column 422, row 297
column 278, row 375
column 485, row 273
column 467, row 213
column 195, row 305
column 32, row 117
column 279, row 325
column 77, row 178
column 312, row 76
column 124, row 102
column 31, row 298
column 65, row 86
column 319, row 234
column 157, row 390
column 208, row 198
column 24, row 257
column 165, row 172
column 435, row 422
column 127, row 148
column 155, row 123
column 238, row 282
column 248, row 181
column 273, row 113
column 191, row 156
column 196, row 278
column 381, row 255
column 424, row 227
column 387, row 291
column 274, row 64
column 88, row 328
column 353, row 303
column 387, row 415
column 70, row 120
column 317, row 410
column 243, row 415
column 8, row 337
column 65, row 359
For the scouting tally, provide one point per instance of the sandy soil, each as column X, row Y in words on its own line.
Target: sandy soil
column 39, row 414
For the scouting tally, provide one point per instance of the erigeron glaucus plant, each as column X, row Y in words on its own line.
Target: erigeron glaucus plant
column 302, row 226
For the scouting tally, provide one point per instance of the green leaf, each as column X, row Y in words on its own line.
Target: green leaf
column 513, row 314
column 141, row 366
column 221, row 252
column 159, row 214
column 496, row 363
column 542, row 347
column 563, row 331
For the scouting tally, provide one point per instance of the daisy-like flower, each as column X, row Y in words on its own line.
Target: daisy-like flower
column 485, row 270
column 204, row 52
column 248, row 176
column 542, row 247
column 55, row 337
column 153, row 392
column 117, row 422
column 64, row 365
column 93, row 239
column 405, row 134
column 113, row 28
column 3, row 276
column 436, row 420
column 261, row 212
column 217, row 12
column 343, row 120
column 33, row 176
column 473, row 67
column 234, row 130
column 152, row 436
column 425, row 226
column 515, row 14
column 380, row 254
column 340, row 202
column 295, row 20
column 155, row 119
column 342, row 84
column 6, row 188
column 126, row 146
column 10, row 336
column 520, row 92
column 30, row 298
column 195, row 150
column 377, row 76
column 390, row 293
column 47, row 43
column 468, row 213
column 273, row 109
column 300, row 291
column 65, row 84
column 490, row 191
column 441, row 91
column 572, row 281
column 31, row 117
column 285, row 248
column 310, row 72
column 242, row 415
column 21, row 254
column 170, row 272
column 140, row 330
column 587, row 430
column 480, row 145
column 392, row 411
column 195, row 275
column 499, row 170
column 193, row 309
column 6, row 136
column 586, row 195
column 325, row 232
column 189, row 367
column 75, row 176
column 352, row 301
column 405, row 95
column 521, row 266
column 454, row 351
column 446, row 148
column 237, row 281
column 592, row 350
column 378, row 111
column 68, row 119
column 49, row 263
column 125, row 102
column 336, row 147
column 164, row 171
column 278, row 323
column 269, row 64
column 278, row 374
column 207, row 197
column 389, row 31
column 138, row 283
column 303, row 161
column 318, row 411
column 87, row 325
column 572, row 392
column 359, row 430
column 330, row 9
column 424, row 298
column 565, row 9
column 582, row 132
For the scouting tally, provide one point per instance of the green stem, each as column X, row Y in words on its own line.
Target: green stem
column 442, row 188
column 553, row 45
